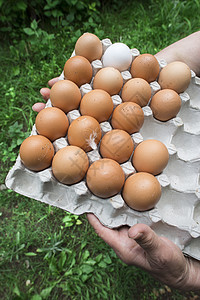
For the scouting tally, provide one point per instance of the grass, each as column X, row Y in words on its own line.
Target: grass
column 47, row 253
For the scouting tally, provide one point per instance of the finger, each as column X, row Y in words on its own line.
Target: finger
column 110, row 236
column 45, row 92
column 38, row 106
column 52, row 81
column 101, row 230
column 126, row 249
column 146, row 238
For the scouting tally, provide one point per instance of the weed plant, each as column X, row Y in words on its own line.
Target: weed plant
column 45, row 252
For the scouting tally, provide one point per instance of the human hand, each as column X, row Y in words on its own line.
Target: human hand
column 183, row 51
column 45, row 92
column 141, row 247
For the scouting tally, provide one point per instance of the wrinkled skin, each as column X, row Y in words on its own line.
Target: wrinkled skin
column 141, row 247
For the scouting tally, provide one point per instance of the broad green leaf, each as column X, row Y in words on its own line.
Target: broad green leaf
column 91, row 262
column 102, row 264
column 87, row 269
column 16, row 291
column 83, row 244
column 85, row 255
column 47, row 13
column 16, row 70
column 46, row 292
column 62, row 259
column 40, row 250
column 21, row 247
column 53, row 266
column 68, row 273
column 107, row 259
column 99, row 258
column 73, row 262
column 70, row 17
column 34, row 25
column 21, row 5
column 67, row 219
column 56, row 13
column 28, row 31
column 85, row 277
column 78, row 222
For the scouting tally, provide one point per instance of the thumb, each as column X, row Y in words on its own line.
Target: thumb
column 146, row 238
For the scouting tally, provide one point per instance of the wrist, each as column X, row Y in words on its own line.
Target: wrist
column 193, row 275
column 186, row 278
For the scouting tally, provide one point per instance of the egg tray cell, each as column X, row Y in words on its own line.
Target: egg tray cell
column 177, row 214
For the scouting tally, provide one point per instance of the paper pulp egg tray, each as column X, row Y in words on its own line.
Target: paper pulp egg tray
column 177, row 214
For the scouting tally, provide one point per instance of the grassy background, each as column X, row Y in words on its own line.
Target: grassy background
column 47, row 253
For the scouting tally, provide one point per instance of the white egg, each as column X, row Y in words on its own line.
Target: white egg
column 118, row 56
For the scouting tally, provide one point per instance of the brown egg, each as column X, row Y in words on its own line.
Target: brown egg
column 108, row 79
column 128, row 116
column 70, row 165
column 141, row 191
column 165, row 104
column 176, row 76
column 117, row 144
column 105, row 178
column 150, row 156
column 78, row 69
column 52, row 122
column 97, row 104
column 145, row 66
column 36, row 152
column 65, row 95
column 84, row 132
column 89, row 46
column 136, row 90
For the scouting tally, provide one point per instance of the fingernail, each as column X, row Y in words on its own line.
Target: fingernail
column 137, row 235
column 52, row 81
column 42, row 90
column 34, row 107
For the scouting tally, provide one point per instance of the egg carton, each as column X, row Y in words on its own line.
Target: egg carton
column 177, row 214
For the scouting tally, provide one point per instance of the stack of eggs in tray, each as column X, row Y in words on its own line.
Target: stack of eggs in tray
column 98, row 109
column 119, row 137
